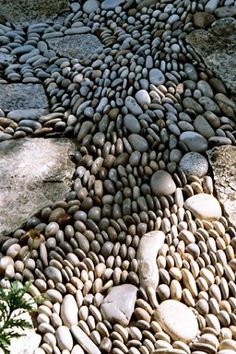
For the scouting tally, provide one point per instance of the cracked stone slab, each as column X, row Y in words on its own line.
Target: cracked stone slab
column 223, row 163
column 29, row 11
column 22, row 96
column 79, row 46
column 33, row 174
column 217, row 48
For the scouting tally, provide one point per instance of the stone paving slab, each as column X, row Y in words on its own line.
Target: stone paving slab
column 223, row 163
column 22, row 96
column 33, row 174
column 26, row 11
column 217, row 48
column 80, row 46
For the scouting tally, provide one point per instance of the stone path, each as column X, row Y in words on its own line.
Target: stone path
column 136, row 253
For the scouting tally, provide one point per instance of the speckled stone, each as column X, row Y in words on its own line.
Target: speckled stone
column 194, row 163
column 177, row 320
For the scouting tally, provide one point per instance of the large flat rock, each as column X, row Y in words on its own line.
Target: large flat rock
column 217, row 48
column 79, row 46
column 27, row 11
column 223, row 163
column 33, row 174
column 22, row 96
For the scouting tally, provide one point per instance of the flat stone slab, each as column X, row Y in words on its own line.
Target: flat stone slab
column 217, row 48
column 223, row 162
column 79, row 46
column 33, row 174
column 28, row 11
column 22, row 96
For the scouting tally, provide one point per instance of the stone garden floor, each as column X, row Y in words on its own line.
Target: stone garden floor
column 117, row 173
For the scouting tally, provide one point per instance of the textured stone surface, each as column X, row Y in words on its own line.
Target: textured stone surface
column 25, row 11
column 118, row 305
column 28, row 342
column 22, row 96
column 79, row 46
column 217, row 48
column 177, row 320
column 33, row 174
column 223, row 162
column 194, row 163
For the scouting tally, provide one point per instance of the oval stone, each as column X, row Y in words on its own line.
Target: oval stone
column 204, row 206
column 177, row 320
column 194, row 141
column 64, row 338
column 138, row 142
column 69, row 310
column 156, row 77
column 194, row 163
column 143, row 97
column 162, row 183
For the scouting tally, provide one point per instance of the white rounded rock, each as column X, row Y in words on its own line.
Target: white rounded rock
column 177, row 320
column 64, row 338
column 143, row 97
column 204, row 206
column 69, row 310
column 194, row 164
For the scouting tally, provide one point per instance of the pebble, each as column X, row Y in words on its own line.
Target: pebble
column 156, row 77
column 138, row 142
column 133, row 106
column 162, row 183
column 69, row 310
column 64, row 338
column 194, row 141
column 84, row 341
column 204, row 206
column 177, row 320
column 194, row 164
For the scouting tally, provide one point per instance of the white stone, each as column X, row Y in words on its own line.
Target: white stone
column 118, row 305
column 84, row 341
column 64, row 338
column 143, row 97
column 69, row 310
column 177, row 320
column 204, row 206
column 194, row 163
